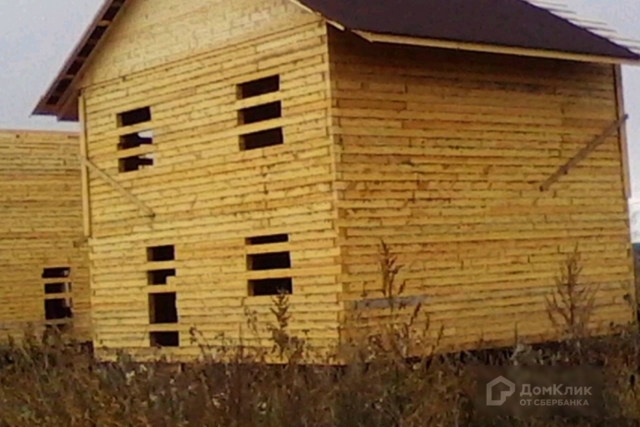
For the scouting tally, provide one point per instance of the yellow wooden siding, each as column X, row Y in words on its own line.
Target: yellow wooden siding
column 41, row 228
column 208, row 196
column 441, row 154
column 153, row 33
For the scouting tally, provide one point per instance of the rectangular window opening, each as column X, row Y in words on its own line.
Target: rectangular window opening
column 134, row 117
column 163, row 308
column 262, row 139
column 272, row 261
column 135, row 140
column 58, row 309
column 260, row 113
column 160, row 277
column 57, row 288
column 164, row 339
column 266, row 240
column 259, row 87
column 264, row 287
column 161, row 253
column 134, row 163
column 56, row 273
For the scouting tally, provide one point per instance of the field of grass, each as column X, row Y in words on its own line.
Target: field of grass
column 61, row 385
column 52, row 383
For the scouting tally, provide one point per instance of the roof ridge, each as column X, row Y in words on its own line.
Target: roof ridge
column 598, row 27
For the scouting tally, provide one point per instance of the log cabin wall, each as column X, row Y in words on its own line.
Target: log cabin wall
column 213, row 115
column 43, row 255
column 442, row 153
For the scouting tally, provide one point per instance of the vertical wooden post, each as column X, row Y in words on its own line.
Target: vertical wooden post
column 624, row 149
column 626, row 180
column 86, row 203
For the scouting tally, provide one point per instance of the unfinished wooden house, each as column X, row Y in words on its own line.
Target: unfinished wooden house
column 236, row 149
column 43, row 253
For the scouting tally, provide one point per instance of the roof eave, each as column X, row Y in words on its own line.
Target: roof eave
column 633, row 59
column 50, row 103
column 56, row 101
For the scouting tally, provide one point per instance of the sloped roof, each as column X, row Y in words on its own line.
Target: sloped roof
column 511, row 23
column 506, row 23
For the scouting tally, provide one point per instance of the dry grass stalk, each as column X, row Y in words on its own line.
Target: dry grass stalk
column 55, row 383
column 570, row 307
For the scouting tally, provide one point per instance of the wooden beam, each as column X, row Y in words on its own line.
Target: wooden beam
column 39, row 132
column 624, row 148
column 68, row 105
column 478, row 47
column 303, row 7
column 582, row 154
column 88, row 163
column 313, row 12
column 634, row 286
column 86, row 200
column 62, row 295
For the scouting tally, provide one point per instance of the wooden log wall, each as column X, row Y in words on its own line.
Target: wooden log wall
column 42, row 251
column 219, row 210
column 442, row 153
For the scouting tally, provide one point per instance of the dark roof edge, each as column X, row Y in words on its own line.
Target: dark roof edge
column 50, row 102
column 630, row 48
column 598, row 29
column 57, row 95
column 373, row 37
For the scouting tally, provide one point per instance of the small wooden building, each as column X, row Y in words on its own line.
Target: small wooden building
column 234, row 149
column 43, row 254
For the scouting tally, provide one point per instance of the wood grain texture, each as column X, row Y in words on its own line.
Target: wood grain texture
column 40, row 199
column 208, row 196
column 148, row 34
column 441, row 154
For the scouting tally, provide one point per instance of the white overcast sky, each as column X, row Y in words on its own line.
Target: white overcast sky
column 37, row 35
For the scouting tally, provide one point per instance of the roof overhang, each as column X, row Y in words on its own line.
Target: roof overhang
column 514, row 27
column 60, row 99
column 504, row 50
